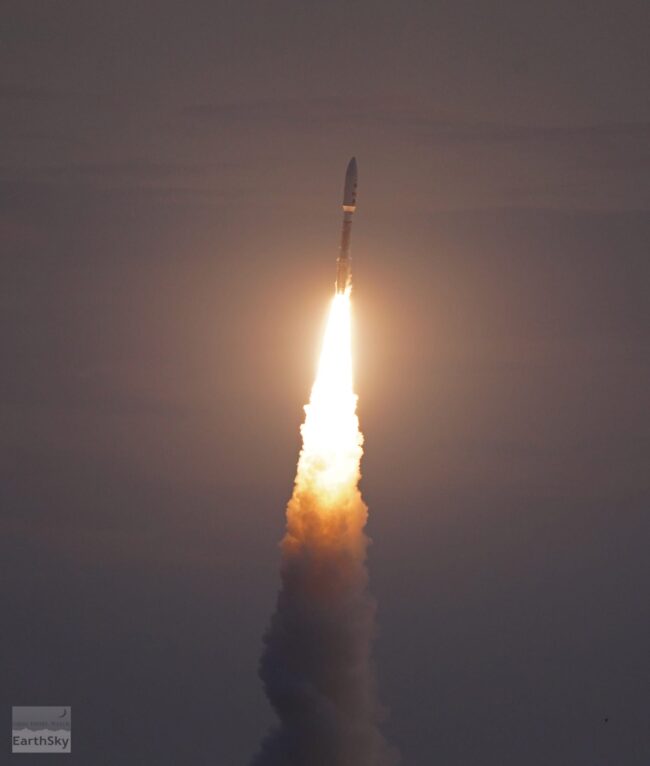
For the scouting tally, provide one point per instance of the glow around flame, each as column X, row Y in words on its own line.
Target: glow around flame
column 331, row 453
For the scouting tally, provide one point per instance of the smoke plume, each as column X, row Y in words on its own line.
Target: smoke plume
column 316, row 666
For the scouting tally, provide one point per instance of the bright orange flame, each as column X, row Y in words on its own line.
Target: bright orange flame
column 331, row 453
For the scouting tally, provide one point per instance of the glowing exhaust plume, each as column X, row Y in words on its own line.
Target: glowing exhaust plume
column 329, row 461
column 316, row 664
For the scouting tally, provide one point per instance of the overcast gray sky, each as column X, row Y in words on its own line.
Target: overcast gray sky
column 170, row 181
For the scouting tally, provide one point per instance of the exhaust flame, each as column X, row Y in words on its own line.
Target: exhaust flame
column 316, row 665
column 331, row 452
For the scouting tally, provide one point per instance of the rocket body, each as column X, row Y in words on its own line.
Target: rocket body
column 344, row 261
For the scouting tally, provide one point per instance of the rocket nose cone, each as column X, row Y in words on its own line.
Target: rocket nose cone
column 350, row 190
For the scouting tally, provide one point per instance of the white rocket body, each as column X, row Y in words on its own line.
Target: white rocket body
column 344, row 261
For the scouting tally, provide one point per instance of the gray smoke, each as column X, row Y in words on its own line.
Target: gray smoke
column 316, row 665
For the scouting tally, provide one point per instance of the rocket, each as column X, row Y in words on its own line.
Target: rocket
column 344, row 262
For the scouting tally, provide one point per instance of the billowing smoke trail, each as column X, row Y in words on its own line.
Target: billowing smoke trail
column 316, row 665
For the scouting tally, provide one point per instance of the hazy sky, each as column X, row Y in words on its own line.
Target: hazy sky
column 170, row 182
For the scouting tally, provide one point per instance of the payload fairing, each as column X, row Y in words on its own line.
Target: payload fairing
column 344, row 262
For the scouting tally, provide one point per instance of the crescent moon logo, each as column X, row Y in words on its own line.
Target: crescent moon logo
column 64, row 713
